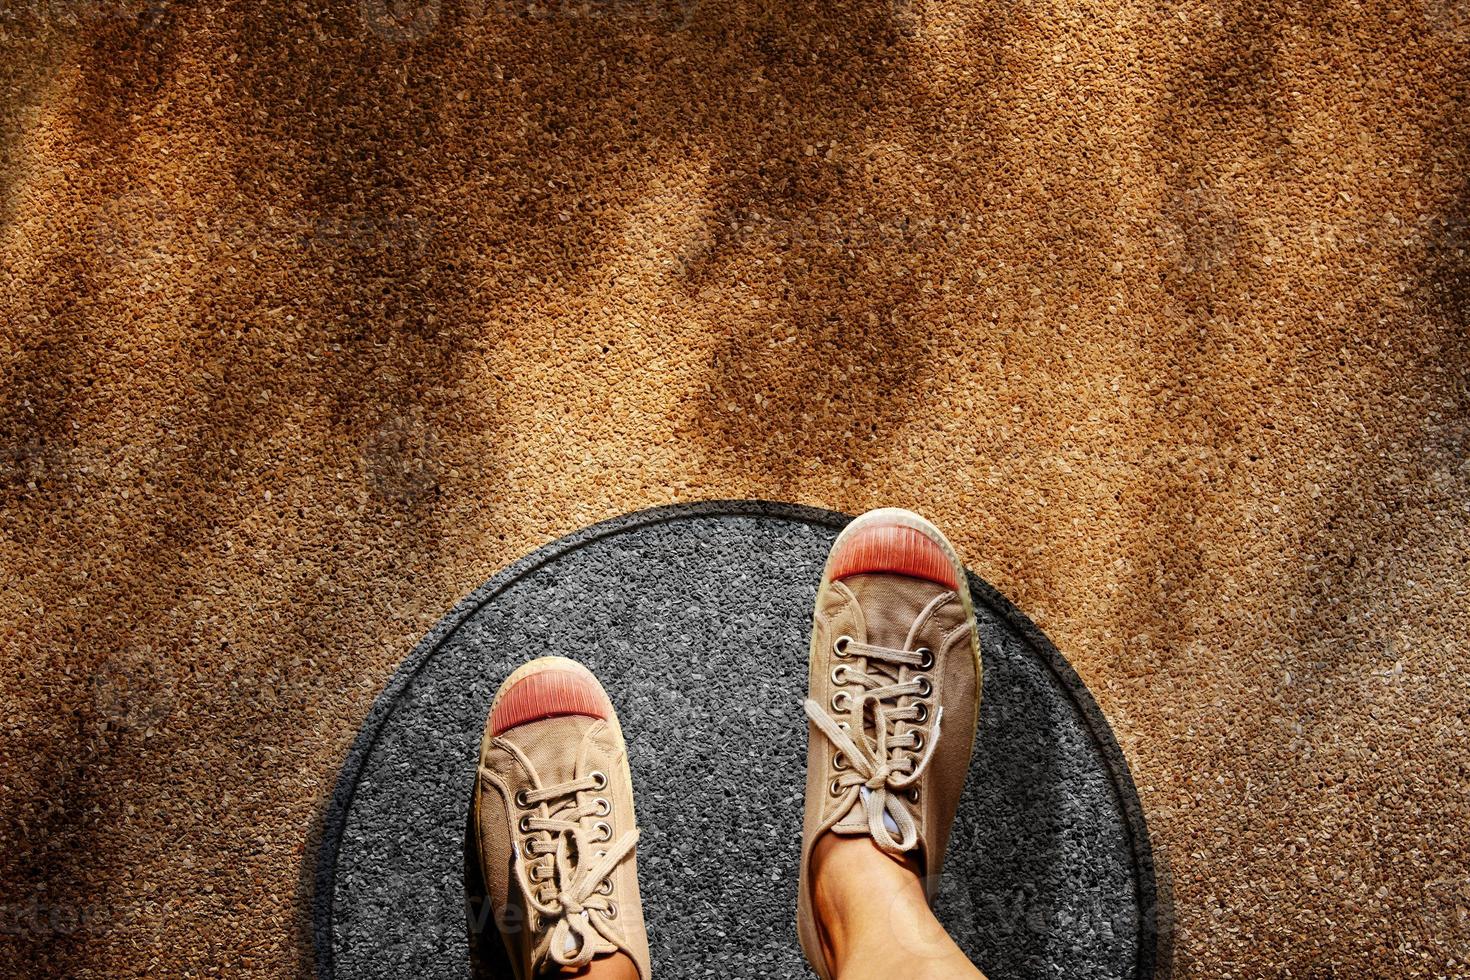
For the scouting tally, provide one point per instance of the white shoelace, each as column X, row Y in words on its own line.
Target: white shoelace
column 561, row 885
column 879, row 770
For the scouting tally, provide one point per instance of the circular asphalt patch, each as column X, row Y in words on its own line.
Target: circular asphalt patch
column 696, row 619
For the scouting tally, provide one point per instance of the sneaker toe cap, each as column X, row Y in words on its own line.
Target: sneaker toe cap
column 893, row 549
column 550, row 693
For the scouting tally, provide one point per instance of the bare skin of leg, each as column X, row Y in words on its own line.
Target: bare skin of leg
column 615, row 967
column 874, row 920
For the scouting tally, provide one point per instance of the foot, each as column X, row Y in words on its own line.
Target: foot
column 553, row 827
column 874, row 918
column 894, row 699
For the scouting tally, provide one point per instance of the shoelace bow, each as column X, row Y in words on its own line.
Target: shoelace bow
column 880, row 775
column 559, row 889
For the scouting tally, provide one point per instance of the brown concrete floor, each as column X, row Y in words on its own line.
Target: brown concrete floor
column 314, row 317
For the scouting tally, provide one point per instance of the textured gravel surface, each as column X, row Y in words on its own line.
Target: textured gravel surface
column 698, row 626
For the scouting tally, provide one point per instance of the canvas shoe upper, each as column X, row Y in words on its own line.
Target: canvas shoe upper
column 553, row 823
column 894, row 696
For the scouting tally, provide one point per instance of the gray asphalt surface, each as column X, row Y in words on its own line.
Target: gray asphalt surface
column 698, row 627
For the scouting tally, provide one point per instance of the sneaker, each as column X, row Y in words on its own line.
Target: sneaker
column 894, row 697
column 552, row 825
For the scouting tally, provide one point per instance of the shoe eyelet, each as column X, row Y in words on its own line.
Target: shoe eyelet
column 605, row 829
column 918, row 740
column 926, row 688
column 603, row 806
column 525, row 825
column 913, row 794
column 606, row 888
column 527, row 847
column 923, row 709
column 841, row 701
column 521, row 799
column 611, row 912
column 839, row 674
column 926, row 658
column 599, row 779
column 834, row 788
column 840, row 647
column 839, row 762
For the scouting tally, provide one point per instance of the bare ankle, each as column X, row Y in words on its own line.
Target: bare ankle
column 873, row 917
column 615, row 967
column 854, row 887
column 849, row 870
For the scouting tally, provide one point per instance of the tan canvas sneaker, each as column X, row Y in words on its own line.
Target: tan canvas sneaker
column 894, row 698
column 552, row 823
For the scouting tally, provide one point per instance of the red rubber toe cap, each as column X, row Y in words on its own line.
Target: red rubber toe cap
column 549, row 693
column 895, row 549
